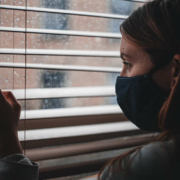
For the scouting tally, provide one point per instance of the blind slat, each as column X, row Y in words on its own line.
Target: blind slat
column 72, row 131
column 62, row 32
column 60, row 67
column 42, row 93
column 70, row 121
column 84, row 148
column 115, row 54
column 68, row 112
column 77, row 139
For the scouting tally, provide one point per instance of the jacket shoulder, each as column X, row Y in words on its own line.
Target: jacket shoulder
column 152, row 161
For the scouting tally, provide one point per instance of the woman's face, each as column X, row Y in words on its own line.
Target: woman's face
column 137, row 62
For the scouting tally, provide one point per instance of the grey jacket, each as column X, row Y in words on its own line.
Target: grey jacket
column 154, row 161
column 18, row 167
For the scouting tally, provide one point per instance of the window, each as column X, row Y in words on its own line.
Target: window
column 66, row 88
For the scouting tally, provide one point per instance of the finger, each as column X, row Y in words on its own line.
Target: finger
column 14, row 101
column 11, row 98
column 2, row 98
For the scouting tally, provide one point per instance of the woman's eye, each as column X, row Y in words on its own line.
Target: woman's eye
column 127, row 64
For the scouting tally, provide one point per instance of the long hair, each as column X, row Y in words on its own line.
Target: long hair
column 155, row 27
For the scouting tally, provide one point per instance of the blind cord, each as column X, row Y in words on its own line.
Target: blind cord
column 25, row 76
column 13, row 46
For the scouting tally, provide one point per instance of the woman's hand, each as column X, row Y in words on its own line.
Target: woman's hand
column 10, row 111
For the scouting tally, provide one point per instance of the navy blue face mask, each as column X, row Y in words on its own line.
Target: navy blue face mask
column 140, row 100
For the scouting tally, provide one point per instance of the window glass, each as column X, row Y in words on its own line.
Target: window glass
column 63, row 51
column 52, row 20
column 119, row 7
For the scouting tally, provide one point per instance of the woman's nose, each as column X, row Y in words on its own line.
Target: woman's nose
column 122, row 73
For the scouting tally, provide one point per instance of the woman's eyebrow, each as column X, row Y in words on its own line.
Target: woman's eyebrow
column 123, row 54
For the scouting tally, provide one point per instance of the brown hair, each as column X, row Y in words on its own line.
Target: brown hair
column 155, row 27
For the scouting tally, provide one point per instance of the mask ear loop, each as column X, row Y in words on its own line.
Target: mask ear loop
column 159, row 66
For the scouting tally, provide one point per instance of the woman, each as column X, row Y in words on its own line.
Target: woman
column 148, row 92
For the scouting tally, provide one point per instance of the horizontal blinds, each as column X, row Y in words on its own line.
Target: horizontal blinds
column 77, row 130
column 63, row 92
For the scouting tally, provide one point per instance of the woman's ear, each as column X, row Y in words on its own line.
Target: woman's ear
column 175, row 69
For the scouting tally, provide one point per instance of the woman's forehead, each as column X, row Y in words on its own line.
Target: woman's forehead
column 129, row 48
